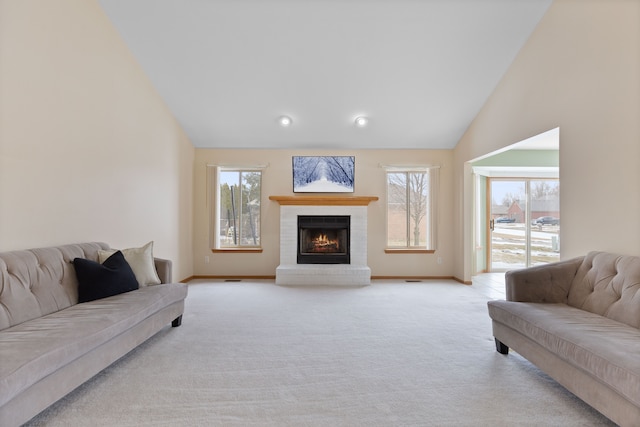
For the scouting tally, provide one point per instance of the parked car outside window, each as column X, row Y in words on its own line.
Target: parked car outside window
column 547, row 220
column 506, row 219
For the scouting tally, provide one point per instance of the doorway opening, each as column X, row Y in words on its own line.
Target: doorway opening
column 516, row 205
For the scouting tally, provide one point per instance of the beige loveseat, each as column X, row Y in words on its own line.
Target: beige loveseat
column 50, row 344
column 578, row 321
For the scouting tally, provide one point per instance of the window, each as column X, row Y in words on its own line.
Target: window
column 410, row 208
column 238, row 198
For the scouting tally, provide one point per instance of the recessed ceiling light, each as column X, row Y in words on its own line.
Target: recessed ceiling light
column 285, row 121
column 361, row 121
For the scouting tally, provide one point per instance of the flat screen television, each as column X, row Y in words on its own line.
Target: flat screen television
column 323, row 174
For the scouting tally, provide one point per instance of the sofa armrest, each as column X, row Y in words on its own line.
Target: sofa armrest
column 163, row 267
column 548, row 283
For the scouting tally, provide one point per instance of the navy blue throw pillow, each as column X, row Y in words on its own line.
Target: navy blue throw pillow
column 114, row 276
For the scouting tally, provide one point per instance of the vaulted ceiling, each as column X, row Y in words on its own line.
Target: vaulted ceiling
column 419, row 70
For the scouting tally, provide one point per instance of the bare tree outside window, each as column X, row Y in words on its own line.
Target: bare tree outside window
column 545, row 189
column 407, row 209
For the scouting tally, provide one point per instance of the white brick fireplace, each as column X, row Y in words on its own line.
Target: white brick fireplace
column 289, row 272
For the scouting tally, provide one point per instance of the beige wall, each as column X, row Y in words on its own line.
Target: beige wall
column 277, row 180
column 88, row 150
column 580, row 72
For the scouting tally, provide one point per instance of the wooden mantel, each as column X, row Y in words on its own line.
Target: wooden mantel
column 324, row 200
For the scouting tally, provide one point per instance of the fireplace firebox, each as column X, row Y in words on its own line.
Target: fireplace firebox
column 323, row 239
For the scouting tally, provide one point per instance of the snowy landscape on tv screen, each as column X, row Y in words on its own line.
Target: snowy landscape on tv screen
column 323, row 174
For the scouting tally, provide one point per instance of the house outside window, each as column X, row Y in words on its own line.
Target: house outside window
column 410, row 208
column 238, row 196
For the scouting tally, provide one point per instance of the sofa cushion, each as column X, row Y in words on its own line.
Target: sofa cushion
column 609, row 285
column 605, row 348
column 141, row 262
column 112, row 277
column 37, row 282
column 35, row 349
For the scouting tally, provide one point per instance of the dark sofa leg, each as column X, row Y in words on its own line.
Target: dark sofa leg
column 501, row 348
column 177, row 321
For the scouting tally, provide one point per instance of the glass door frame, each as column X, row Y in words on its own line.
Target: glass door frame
column 490, row 224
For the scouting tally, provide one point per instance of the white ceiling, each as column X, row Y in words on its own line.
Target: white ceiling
column 420, row 70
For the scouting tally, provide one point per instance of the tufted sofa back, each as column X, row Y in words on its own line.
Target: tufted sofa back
column 37, row 282
column 609, row 285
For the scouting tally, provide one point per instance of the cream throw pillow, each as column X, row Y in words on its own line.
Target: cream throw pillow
column 141, row 262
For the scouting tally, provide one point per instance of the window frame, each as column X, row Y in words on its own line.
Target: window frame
column 216, row 213
column 430, row 219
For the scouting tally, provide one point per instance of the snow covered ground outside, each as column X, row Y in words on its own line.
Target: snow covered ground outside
column 508, row 246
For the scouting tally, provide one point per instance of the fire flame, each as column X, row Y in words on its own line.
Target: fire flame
column 323, row 241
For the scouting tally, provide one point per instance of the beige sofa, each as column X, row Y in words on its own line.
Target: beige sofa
column 578, row 321
column 50, row 344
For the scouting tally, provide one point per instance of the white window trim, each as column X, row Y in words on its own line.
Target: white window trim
column 408, row 168
column 432, row 214
column 213, row 201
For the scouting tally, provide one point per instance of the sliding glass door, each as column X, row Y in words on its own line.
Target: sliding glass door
column 524, row 222
column 507, row 224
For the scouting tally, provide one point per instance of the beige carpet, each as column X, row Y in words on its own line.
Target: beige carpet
column 391, row 354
